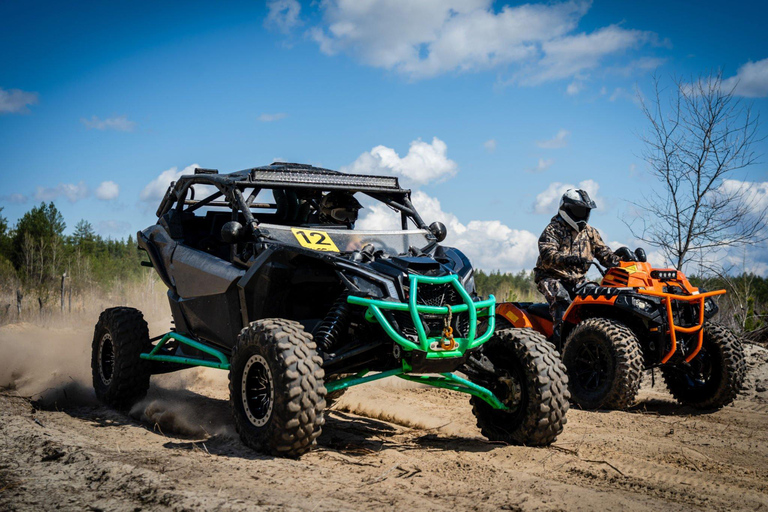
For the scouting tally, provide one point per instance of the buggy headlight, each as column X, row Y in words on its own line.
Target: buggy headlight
column 468, row 281
column 368, row 288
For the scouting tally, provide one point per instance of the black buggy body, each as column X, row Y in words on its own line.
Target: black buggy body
column 298, row 309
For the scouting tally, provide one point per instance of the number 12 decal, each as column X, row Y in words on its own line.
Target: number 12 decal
column 314, row 239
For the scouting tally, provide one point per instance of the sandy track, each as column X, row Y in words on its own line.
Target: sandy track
column 386, row 447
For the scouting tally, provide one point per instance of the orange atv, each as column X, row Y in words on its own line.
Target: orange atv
column 638, row 318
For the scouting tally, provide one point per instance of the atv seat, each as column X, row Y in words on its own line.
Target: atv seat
column 540, row 310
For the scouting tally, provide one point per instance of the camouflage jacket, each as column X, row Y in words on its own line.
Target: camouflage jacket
column 559, row 241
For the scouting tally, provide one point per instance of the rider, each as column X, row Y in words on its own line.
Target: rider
column 566, row 248
column 339, row 207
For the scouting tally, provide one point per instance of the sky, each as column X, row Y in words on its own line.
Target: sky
column 488, row 111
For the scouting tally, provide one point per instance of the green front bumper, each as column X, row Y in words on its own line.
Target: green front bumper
column 424, row 342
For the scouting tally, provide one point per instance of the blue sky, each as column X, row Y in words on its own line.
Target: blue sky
column 483, row 107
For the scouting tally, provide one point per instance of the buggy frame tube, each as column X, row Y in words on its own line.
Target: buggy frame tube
column 154, row 354
column 375, row 307
column 444, row 380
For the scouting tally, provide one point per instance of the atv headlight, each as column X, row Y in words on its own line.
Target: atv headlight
column 642, row 305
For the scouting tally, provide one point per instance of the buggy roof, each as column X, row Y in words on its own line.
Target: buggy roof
column 291, row 175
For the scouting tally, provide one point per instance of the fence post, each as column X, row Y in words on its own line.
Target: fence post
column 63, row 279
column 19, row 298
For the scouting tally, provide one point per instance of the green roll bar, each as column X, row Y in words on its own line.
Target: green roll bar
column 474, row 309
column 153, row 355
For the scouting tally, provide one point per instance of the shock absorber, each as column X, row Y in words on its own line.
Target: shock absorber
column 334, row 325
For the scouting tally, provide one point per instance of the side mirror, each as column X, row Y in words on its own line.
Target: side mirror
column 438, row 229
column 640, row 255
column 232, row 232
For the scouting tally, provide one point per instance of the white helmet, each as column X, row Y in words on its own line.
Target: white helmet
column 575, row 206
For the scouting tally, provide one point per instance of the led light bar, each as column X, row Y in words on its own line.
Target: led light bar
column 664, row 275
column 326, row 178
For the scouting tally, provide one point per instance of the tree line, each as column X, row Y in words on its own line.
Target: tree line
column 40, row 264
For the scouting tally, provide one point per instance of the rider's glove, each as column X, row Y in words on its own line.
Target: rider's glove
column 576, row 261
column 624, row 254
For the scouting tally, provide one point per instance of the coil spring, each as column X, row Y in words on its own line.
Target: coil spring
column 334, row 325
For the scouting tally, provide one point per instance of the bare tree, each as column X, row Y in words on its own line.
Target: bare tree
column 696, row 143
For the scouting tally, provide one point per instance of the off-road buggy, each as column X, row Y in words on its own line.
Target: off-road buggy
column 298, row 311
column 638, row 318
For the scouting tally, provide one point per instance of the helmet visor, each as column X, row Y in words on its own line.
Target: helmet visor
column 344, row 214
column 578, row 212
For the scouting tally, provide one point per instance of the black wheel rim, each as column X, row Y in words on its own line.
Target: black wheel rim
column 590, row 366
column 699, row 373
column 106, row 358
column 257, row 390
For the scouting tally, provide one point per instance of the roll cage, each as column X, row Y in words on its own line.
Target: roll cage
column 285, row 180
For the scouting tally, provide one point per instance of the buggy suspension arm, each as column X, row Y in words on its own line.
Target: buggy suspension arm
column 673, row 329
column 155, row 355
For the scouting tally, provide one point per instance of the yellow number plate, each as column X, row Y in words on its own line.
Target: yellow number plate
column 314, row 239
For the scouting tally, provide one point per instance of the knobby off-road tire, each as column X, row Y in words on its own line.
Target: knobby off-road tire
column 120, row 376
column 538, row 397
column 715, row 376
column 605, row 364
column 276, row 388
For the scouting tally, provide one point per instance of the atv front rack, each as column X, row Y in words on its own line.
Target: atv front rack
column 425, row 343
column 673, row 329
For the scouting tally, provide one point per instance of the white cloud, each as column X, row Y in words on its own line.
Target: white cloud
column 428, row 38
column 107, row 191
column 118, row 124
column 423, row 164
column 155, row 189
column 489, row 244
column 750, row 81
column 542, row 166
column 72, row 192
column 268, row 118
column 559, row 141
column 574, row 88
column 754, row 195
column 568, row 56
column 16, row 101
column 548, row 201
column 14, row 198
column 490, row 145
column 283, row 14
column 640, row 65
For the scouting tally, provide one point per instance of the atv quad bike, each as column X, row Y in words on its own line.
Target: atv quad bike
column 298, row 311
column 637, row 318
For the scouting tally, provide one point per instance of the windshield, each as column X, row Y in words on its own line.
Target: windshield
column 329, row 239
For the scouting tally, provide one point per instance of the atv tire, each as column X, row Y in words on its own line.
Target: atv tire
column 539, row 390
column 605, row 364
column 714, row 377
column 276, row 388
column 120, row 376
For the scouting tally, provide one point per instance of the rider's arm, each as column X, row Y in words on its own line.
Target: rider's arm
column 601, row 251
column 549, row 246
